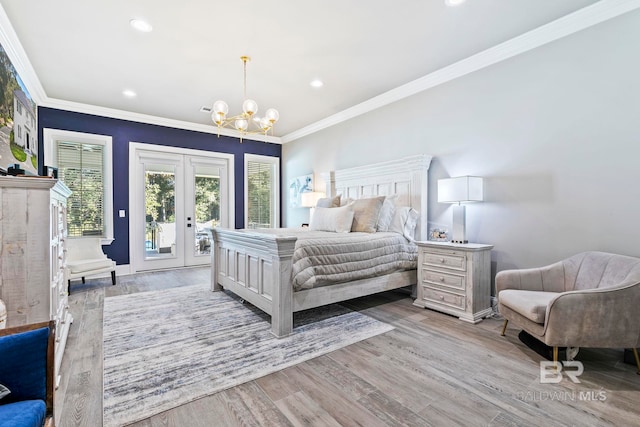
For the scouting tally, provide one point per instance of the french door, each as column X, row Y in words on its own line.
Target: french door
column 179, row 195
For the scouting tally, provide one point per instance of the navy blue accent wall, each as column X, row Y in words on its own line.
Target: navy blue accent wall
column 123, row 132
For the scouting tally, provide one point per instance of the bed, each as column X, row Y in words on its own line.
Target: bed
column 257, row 265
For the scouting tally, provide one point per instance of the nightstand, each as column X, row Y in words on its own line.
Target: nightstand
column 455, row 279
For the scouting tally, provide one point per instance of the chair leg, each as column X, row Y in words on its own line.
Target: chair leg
column 68, row 287
column 635, row 354
column 113, row 278
column 504, row 327
column 555, row 358
column 83, row 282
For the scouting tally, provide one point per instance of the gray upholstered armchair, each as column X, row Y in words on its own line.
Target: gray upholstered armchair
column 588, row 300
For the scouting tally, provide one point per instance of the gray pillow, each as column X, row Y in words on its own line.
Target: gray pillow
column 328, row 202
column 365, row 214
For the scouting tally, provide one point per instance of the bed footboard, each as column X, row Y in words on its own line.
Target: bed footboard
column 257, row 268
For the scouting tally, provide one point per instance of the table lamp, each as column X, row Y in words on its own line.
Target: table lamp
column 459, row 190
column 309, row 199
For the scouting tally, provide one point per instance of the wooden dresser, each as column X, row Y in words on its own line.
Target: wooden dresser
column 32, row 254
column 455, row 279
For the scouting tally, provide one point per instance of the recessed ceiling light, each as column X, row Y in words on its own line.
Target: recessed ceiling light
column 316, row 83
column 129, row 93
column 141, row 25
column 454, row 2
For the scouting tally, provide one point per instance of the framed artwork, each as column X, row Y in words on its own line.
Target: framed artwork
column 297, row 186
column 18, row 121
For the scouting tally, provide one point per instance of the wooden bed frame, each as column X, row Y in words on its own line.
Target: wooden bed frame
column 257, row 266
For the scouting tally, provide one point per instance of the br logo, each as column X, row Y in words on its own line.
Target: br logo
column 551, row 373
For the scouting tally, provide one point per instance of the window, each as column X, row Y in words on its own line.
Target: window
column 84, row 165
column 80, row 167
column 262, row 191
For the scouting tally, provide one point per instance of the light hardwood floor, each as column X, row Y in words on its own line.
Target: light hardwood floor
column 432, row 369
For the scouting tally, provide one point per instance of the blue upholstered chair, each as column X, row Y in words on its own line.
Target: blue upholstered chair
column 27, row 371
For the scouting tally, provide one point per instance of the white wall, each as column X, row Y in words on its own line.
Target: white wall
column 555, row 132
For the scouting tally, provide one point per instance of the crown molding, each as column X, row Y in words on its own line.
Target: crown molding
column 154, row 120
column 555, row 30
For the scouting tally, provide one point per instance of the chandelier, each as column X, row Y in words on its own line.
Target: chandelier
column 246, row 122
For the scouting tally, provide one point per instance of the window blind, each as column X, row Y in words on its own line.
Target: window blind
column 260, row 195
column 81, row 167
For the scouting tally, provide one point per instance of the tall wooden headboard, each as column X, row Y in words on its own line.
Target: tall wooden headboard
column 406, row 177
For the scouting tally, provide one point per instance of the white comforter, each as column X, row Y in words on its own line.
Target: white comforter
column 322, row 258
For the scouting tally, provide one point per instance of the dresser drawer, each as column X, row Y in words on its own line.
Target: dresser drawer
column 446, row 259
column 444, row 279
column 443, row 297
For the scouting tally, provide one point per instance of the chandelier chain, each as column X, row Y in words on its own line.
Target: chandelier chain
column 244, row 63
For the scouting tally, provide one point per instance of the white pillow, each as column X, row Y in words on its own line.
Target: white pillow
column 404, row 222
column 386, row 213
column 338, row 220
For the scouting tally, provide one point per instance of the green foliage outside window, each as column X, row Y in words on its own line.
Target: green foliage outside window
column 207, row 199
column 160, row 199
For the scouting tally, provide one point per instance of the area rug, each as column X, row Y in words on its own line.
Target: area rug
column 165, row 348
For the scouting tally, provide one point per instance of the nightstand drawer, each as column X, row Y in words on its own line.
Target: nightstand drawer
column 446, row 259
column 443, row 279
column 442, row 297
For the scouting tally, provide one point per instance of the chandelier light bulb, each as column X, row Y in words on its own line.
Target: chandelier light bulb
column 250, row 107
column 272, row 114
column 241, row 125
column 265, row 124
column 218, row 118
column 220, row 107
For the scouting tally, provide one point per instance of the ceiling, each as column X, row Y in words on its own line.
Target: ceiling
column 85, row 53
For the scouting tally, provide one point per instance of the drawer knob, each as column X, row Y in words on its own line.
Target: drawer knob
column 441, row 297
column 442, row 279
column 442, row 260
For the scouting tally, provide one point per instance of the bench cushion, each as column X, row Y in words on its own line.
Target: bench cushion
column 89, row 265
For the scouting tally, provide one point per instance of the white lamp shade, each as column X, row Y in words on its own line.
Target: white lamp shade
column 461, row 189
column 309, row 199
